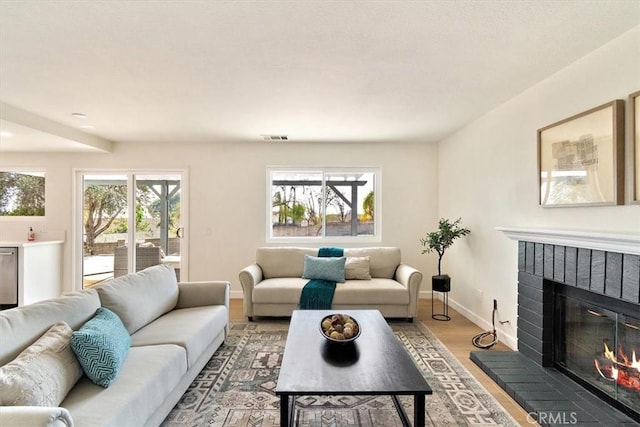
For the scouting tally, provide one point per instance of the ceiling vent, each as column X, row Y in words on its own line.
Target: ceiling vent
column 275, row 137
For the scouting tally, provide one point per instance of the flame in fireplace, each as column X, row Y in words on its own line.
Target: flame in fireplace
column 621, row 369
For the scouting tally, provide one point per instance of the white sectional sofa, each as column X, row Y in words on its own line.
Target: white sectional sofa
column 273, row 284
column 174, row 327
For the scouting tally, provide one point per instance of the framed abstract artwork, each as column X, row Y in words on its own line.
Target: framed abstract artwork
column 581, row 159
column 634, row 104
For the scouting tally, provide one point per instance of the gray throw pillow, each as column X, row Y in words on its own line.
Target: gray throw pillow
column 324, row 268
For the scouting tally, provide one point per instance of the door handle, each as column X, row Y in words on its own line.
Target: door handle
column 7, row 253
column 180, row 232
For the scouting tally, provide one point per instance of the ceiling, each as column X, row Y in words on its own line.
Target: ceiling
column 315, row 71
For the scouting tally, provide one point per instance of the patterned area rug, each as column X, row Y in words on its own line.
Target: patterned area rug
column 236, row 388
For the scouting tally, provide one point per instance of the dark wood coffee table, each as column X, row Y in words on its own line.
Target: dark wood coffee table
column 375, row 364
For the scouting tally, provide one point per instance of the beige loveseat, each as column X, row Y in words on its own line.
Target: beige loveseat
column 273, row 284
column 175, row 328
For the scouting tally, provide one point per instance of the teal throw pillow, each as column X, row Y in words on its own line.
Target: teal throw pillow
column 324, row 268
column 101, row 346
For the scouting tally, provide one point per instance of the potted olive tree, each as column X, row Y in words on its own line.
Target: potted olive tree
column 439, row 241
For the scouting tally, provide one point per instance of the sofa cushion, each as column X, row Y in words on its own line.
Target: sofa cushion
column 141, row 297
column 283, row 290
column 20, row 327
column 371, row 292
column 287, row 290
column 101, row 346
column 289, row 261
column 383, row 260
column 357, row 268
column 282, row 261
column 324, row 268
column 43, row 373
column 148, row 375
column 192, row 328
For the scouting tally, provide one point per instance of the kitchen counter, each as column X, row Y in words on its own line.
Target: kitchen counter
column 16, row 244
column 39, row 269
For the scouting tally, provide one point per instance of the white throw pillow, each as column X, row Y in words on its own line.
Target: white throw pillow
column 357, row 268
column 43, row 373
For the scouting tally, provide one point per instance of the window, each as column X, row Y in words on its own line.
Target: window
column 22, row 193
column 323, row 203
column 127, row 221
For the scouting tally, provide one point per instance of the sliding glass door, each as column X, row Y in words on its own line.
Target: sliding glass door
column 129, row 221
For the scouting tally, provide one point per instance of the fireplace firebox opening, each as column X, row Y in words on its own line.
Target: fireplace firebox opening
column 596, row 341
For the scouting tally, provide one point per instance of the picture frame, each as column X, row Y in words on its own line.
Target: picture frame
column 581, row 159
column 634, row 105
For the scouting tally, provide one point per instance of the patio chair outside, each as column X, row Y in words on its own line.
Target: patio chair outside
column 145, row 257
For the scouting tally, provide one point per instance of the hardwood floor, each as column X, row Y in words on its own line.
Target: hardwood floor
column 456, row 335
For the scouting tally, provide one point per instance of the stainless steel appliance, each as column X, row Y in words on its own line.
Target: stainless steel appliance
column 8, row 277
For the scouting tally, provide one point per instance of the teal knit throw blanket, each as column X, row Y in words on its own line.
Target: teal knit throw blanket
column 318, row 294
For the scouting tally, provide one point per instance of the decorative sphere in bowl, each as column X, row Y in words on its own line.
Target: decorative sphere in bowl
column 340, row 328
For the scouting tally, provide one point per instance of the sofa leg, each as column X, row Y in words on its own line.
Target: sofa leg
column 250, row 318
column 410, row 319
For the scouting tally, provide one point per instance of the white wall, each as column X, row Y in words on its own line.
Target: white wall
column 227, row 194
column 485, row 173
column 488, row 176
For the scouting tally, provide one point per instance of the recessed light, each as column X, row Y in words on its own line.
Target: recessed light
column 6, row 134
column 79, row 115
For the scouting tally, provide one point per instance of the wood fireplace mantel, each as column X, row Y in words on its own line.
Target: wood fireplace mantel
column 627, row 243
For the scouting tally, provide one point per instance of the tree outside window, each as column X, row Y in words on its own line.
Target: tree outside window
column 22, row 193
column 322, row 203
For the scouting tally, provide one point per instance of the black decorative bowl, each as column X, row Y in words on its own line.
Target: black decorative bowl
column 340, row 328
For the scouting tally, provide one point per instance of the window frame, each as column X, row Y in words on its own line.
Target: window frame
column 131, row 177
column 324, row 171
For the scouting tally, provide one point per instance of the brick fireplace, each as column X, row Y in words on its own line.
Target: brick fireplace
column 597, row 268
column 543, row 266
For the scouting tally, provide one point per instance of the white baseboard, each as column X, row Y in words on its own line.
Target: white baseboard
column 507, row 339
column 236, row 295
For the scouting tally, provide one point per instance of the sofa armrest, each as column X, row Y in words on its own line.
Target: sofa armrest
column 35, row 416
column 250, row 276
column 411, row 279
column 198, row 294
